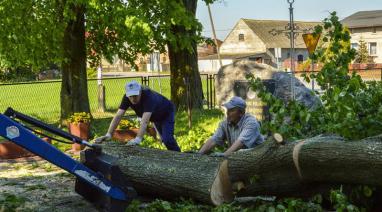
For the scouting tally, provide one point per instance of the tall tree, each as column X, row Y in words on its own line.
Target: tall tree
column 36, row 33
column 362, row 54
column 184, row 63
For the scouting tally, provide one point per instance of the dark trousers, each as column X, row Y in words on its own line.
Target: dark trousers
column 166, row 132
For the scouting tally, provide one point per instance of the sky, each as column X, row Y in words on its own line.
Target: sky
column 227, row 12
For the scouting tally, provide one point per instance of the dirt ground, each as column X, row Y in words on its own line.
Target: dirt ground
column 34, row 184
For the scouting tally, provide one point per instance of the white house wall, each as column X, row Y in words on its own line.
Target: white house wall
column 285, row 55
column 367, row 35
column 251, row 44
column 212, row 65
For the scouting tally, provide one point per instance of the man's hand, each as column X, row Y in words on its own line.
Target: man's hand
column 135, row 141
column 102, row 138
column 217, row 154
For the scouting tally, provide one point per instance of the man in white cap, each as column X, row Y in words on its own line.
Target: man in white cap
column 150, row 106
column 240, row 130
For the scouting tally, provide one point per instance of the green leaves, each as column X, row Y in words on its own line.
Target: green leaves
column 31, row 32
column 349, row 104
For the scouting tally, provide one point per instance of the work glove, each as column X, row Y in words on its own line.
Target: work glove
column 135, row 141
column 102, row 138
column 217, row 154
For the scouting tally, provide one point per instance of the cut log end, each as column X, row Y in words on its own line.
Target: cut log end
column 221, row 189
column 278, row 138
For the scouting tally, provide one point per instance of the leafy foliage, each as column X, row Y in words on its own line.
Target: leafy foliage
column 350, row 106
column 258, row 204
column 203, row 126
column 126, row 124
column 32, row 32
column 81, row 117
column 341, row 202
column 10, row 202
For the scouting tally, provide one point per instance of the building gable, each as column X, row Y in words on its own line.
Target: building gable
column 242, row 40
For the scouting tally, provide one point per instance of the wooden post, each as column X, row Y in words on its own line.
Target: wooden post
column 101, row 98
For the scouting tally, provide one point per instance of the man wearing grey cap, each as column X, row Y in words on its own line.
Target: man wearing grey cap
column 239, row 129
column 151, row 106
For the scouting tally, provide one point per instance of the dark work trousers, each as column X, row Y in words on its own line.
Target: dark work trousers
column 166, row 132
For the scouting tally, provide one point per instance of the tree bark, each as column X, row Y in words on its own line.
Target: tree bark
column 170, row 175
column 184, row 63
column 74, row 89
column 310, row 164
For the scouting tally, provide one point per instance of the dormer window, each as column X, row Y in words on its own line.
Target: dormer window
column 241, row 37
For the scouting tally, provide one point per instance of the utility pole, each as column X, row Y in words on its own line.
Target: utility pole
column 214, row 33
column 292, row 50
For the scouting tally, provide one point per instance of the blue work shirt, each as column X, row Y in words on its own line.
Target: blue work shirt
column 150, row 101
column 247, row 131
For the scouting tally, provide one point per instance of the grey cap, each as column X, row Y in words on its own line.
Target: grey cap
column 235, row 102
column 132, row 88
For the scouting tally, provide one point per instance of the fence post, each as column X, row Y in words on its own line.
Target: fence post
column 208, row 96
column 145, row 81
column 101, row 98
column 142, row 81
column 213, row 86
column 211, row 97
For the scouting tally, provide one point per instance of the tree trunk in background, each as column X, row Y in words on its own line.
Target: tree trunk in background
column 74, row 89
column 271, row 169
column 171, row 175
column 184, row 63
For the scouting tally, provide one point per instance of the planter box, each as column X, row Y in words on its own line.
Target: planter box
column 126, row 135
column 80, row 130
column 10, row 150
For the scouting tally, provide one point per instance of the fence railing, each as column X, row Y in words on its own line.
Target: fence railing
column 41, row 99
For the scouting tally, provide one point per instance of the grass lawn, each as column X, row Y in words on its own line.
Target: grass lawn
column 42, row 99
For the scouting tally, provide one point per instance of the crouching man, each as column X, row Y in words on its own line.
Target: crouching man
column 239, row 130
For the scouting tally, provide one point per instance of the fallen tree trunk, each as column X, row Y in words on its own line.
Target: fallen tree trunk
column 169, row 175
column 309, row 164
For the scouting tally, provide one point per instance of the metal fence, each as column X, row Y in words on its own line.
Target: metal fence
column 41, row 99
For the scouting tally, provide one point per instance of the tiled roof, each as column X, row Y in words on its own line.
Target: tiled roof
column 263, row 28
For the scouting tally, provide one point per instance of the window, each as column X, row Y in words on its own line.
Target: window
column 354, row 46
column 373, row 48
column 241, row 37
column 300, row 58
column 374, row 29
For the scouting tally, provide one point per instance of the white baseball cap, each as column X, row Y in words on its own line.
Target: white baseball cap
column 132, row 88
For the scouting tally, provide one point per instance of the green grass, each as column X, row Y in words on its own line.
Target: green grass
column 42, row 100
column 204, row 124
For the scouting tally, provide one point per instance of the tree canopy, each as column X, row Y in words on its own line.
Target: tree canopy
column 70, row 33
column 32, row 31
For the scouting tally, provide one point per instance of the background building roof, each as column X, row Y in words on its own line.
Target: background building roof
column 364, row 19
column 262, row 28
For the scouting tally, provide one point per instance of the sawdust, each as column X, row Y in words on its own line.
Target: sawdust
column 40, row 186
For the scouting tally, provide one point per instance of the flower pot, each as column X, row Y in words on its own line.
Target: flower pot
column 128, row 134
column 10, row 150
column 125, row 135
column 80, row 130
